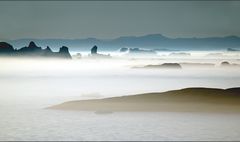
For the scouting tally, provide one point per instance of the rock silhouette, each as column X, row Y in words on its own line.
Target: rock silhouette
column 32, row 50
column 124, row 49
column 94, row 50
column 232, row 49
column 137, row 51
column 6, row 48
column 64, row 53
column 227, row 64
column 94, row 53
column 165, row 65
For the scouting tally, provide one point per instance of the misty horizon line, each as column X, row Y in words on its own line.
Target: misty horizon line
column 123, row 36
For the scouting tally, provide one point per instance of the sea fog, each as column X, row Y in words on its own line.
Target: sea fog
column 28, row 86
column 46, row 82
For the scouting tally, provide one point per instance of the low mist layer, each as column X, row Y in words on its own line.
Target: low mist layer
column 47, row 82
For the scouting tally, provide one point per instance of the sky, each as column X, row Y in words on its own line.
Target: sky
column 109, row 19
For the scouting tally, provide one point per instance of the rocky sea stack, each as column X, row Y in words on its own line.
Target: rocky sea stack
column 95, row 54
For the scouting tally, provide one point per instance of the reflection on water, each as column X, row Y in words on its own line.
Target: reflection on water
column 37, row 124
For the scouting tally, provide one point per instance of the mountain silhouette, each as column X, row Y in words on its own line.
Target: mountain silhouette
column 32, row 50
column 6, row 48
column 151, row 41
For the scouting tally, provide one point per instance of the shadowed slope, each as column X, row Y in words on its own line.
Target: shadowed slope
column 190, row 99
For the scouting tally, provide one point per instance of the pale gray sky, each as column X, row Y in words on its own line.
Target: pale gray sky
column 108, row 19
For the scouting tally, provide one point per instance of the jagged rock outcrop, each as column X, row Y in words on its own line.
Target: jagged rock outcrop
column 64, row 53
column 94, row 53
column 32, row 50
column 32, row 45
column 47, row 52
column 6, row 48
column 94, row 50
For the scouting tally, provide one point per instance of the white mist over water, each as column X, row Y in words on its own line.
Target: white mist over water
column 71, row 79
column 27, row 86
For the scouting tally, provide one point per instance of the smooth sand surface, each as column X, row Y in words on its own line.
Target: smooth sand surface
column 184, row 100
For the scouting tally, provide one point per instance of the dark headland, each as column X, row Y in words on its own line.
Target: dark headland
column 184, row 100
column 32, row 50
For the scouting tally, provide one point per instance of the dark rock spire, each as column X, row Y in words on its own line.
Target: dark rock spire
column 5, row 47
column 94, row 50
column 63, row 52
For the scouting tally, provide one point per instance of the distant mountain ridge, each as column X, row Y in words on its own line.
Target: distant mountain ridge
column 151, row 41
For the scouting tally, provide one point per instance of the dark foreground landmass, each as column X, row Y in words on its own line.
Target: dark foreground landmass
column 185, row 100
